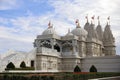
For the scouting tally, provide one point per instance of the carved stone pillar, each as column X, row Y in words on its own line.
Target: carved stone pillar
column 52, row 43
column 74, row 46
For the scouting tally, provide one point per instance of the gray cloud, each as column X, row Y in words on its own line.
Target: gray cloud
column 8, row 4
column 7, row 44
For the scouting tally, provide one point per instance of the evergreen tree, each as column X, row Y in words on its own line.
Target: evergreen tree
column 23, row 65
column 77, row 69
column 93, row 69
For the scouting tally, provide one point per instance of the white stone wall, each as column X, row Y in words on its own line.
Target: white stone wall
column 68, row 64
column 46, row 62
column 103, row 64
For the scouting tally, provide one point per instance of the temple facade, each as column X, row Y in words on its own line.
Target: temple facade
column 83, row 47
column 56, row 53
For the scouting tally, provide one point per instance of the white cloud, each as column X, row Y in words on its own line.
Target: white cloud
column 63, row 17
column 70, row 10
column 22, row 30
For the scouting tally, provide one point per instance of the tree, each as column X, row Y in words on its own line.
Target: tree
column 10, row 66
column 93, row 69
column 77, row 69
column 23, row 65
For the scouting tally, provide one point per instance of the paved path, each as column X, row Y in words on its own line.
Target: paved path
column 108, row 78
column 111, row 79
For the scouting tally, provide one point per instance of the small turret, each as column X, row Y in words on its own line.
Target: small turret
column 86, row 27
column 91, row 31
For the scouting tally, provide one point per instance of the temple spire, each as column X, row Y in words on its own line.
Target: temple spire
column 77, row 23
column 99, row 30
column 98, row 20
column 86, row 26
column 108, row 41
column 108, row 36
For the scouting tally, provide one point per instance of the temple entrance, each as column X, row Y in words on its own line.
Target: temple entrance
column 32, row 63
column 93, row 69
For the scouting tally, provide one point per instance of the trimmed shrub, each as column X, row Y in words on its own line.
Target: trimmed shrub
column 10, row 66
column 93, row 69
column 27, row 68
column 23, row 65
column 6, row 77
column 34, row 78
column 77, row 69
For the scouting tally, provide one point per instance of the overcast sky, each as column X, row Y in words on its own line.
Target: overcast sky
column 22, row 20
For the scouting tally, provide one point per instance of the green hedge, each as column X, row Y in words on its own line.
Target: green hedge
column 17, row 77
column 26, row 68
column 71, row 76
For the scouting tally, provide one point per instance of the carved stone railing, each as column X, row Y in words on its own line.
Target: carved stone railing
column 47, row 51
column 69, row 54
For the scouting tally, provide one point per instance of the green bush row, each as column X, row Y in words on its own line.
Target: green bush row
column 60, row 76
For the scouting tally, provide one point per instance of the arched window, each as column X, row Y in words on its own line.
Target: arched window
column 10, row 66
column 46, row 44
column 67, row 48
column 57, row 47
column 22, row 65
column 32, row 63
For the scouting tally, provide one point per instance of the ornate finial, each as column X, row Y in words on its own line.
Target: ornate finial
column 77, row 23
column 87, row 18
column 50, row 25
column 98, row 20
column 108, row 22
column 91, row 22
column 92, row 19
column 68, row 30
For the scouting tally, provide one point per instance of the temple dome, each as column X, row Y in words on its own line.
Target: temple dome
column 49, row 30
column 79, row 32
column 69, row 34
